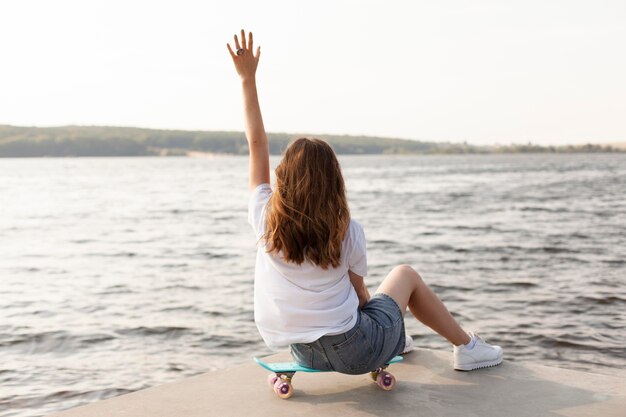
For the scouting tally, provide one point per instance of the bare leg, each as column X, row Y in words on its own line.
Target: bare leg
column 406, row 287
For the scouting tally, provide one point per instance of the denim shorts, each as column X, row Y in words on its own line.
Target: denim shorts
column 377, row 337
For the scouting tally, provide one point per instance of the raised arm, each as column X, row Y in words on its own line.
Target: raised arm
column 246, row 63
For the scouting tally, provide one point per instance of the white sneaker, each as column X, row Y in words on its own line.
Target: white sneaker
column 481, row 355
column 408, row 344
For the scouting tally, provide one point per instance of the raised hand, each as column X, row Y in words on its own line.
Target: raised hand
column 245, row 61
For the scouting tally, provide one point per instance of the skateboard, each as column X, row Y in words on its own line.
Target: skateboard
column 283, row 372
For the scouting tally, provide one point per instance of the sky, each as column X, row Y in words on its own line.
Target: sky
column 485, row 72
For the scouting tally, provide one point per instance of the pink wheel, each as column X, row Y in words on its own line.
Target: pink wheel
column 283, row 389
column 271, row 379
column 386, row 381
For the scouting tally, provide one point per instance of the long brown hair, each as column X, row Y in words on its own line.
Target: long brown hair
column 308, row 215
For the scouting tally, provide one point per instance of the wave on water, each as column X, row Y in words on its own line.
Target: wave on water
column 51, row 342
column 170, row 332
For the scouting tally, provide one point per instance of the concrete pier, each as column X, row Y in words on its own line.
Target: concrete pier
column 426, row 386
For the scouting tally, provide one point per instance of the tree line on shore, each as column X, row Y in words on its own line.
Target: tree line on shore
column 18, row 141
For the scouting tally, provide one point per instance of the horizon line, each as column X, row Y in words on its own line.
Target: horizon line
column 618, row 143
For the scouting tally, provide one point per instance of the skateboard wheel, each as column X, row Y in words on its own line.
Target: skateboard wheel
column 374, row 375
column 271, row 379
column 283, row 389
column 386, row 381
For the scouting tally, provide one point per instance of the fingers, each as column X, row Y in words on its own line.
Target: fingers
column 245, row 46
column 232, row 54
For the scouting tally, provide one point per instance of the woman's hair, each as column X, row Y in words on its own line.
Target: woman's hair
column 308, row 215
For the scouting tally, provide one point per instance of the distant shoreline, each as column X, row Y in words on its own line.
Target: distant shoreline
column 617, row 145
column 105, row 141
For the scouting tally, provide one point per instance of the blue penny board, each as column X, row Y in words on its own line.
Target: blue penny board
column 294, row 367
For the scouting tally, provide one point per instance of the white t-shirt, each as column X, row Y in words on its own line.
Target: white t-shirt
column 301, row 303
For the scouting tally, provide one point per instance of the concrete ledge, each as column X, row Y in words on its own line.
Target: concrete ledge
column 427, row 386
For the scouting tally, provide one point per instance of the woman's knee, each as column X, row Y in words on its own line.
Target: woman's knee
column 409, row 271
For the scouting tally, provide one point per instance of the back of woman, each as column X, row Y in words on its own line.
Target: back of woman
column 302, row 302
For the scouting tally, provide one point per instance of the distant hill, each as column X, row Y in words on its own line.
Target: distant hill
column 618, row 145
column 17, row 141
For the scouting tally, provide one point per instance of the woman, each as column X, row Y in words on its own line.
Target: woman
column 309, row 291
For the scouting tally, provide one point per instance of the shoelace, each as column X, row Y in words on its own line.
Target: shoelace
column 477, row 336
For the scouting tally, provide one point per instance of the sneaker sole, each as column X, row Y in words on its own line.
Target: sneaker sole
column 478, row 365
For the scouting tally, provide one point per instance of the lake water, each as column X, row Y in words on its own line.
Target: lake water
column 117, row 274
